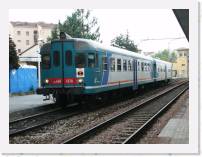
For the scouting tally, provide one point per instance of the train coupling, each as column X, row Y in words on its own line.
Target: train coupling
column 47, row 97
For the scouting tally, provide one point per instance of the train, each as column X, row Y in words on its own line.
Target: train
column 75, row 69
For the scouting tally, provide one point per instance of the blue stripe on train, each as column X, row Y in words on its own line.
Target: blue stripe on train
column 106, row 72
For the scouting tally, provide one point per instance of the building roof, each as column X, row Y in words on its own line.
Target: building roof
column 182, row 49
column 32, row 24
column 30, row 55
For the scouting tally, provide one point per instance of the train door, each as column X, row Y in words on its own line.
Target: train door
column 105, row 67
column 154, row 71
column 135, row 85
column 97, row 78
column 69, row 73
column 92, row 69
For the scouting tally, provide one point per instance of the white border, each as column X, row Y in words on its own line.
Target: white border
column 192, row 147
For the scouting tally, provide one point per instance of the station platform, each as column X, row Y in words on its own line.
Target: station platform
column 176, row 131
column 18, row 103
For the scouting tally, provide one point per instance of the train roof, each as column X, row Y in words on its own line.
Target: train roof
column 96, row 45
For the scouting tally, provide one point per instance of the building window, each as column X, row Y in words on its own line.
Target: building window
column 18, row 32
column 124, row 65
column 183, row 64
column 180, row 54
column 91, row 60
column 27, row 42
column 112, row 63
column 183, row 72
column 104, row 63
column 19, row 50
column 35, row 37
column 19, row 41
column 118, row 64
column 27, row 33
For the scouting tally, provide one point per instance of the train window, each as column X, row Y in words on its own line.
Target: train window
column 129, row 66
column 68, row 58
column 112, row 64
column 124, row 65
column 142, row 66
column 149, row 69
column 145, row 66
column 118, row 64
column 104, row 63
column 56, row 58
column 46, row 61
column 138, row 66
column 96, row 59
column 91, row 60
column 80, row 60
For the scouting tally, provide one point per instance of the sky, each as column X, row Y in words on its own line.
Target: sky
column 142, row 25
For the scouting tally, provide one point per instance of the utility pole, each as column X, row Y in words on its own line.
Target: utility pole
column 40, row 43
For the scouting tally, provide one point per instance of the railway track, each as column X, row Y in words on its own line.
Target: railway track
column 27, row 123
column 134, row 120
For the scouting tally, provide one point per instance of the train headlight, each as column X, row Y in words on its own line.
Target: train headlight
column 80, row 80
column 46, row 81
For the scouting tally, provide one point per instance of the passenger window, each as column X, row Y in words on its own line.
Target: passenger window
column 96, row 60
column 112, row 63
column 46, row 61
column 56, row 58
column 118, row 64
column 104, row 62
column 129, row 66
column 68, row 58
column 124, row 65
column 80, row 60
column 138, row 66
column 145, row 66
column 142, row 66
column 91, row 60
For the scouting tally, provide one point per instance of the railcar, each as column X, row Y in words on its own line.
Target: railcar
column 74, row 68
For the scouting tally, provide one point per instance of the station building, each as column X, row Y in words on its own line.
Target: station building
column 181, row 65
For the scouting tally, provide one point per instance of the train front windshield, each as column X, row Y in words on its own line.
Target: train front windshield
column 80, row 60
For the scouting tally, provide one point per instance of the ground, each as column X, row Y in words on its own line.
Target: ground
column 17, row 103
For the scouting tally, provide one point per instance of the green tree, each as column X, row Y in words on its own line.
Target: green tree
column 13, row 58
column 166, row 55
column 123, row 41
column 78, row 25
